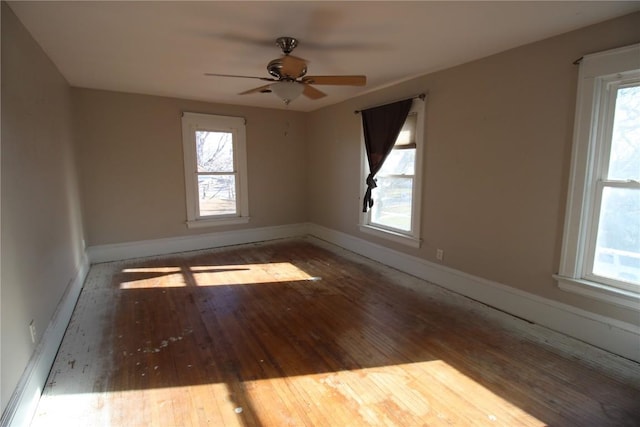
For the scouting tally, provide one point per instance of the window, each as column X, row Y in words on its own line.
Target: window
column 395, row 213
column 215, row 169
column 601, row 246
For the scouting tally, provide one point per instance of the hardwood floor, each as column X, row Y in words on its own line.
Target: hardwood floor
column 298, row 333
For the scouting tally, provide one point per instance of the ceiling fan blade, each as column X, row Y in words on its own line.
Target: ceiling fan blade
column 243, row 77
column 336, row 80
column 312, row 93
column 264, row 88
column 292, row 66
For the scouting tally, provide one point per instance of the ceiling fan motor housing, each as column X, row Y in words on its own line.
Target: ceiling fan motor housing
column 275, row 68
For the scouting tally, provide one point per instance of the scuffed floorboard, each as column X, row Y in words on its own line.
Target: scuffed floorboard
column 304, row 334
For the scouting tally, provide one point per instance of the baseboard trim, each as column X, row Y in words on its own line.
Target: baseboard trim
column 609, row 334
column 121, row 251
column 606, row 333
column 24, row 401
column 612, row 335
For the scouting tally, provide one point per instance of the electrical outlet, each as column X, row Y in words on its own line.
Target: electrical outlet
column 32, row 330
column 439, row 254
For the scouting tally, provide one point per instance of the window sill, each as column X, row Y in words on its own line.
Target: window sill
column 201, row 223
column 390, row 235
column 599, row 291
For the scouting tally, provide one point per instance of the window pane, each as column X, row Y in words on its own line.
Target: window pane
column 217, row 195
column 399, row 162
column 392, row 202
column 214, row 151
column 624, row 162
column 618, row 243
column 408, row 133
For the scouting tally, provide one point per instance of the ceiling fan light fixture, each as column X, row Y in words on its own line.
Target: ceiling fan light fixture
column 287, row 90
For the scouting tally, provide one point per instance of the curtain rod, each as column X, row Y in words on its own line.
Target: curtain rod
column 422, row 96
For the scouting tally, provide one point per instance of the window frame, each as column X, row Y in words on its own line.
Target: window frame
column 193, row 122
column 411, row 237
column 599, row 77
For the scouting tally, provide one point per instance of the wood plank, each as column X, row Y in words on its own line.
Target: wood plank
column 290, row 333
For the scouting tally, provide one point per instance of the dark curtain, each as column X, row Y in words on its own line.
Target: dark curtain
column 381, row 125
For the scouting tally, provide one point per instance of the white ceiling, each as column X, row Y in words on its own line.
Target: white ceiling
column 164, row 48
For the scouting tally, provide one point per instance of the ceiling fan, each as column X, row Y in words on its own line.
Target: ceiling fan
column 289, row 79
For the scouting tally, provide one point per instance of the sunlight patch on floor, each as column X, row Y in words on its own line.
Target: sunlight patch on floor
column 212, row 275
column 170, row 406
column 368, row 396
column 401, row 388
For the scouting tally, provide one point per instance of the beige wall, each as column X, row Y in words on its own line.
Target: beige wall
column 498, row 144
column 41, row 241
column 498, row 135
column 131, row 170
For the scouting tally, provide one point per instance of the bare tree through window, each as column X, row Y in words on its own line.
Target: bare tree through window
column 216, row 173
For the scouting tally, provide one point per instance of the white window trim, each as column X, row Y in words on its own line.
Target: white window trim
column 412, row 237
column 191, row 122
column 596, row 70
